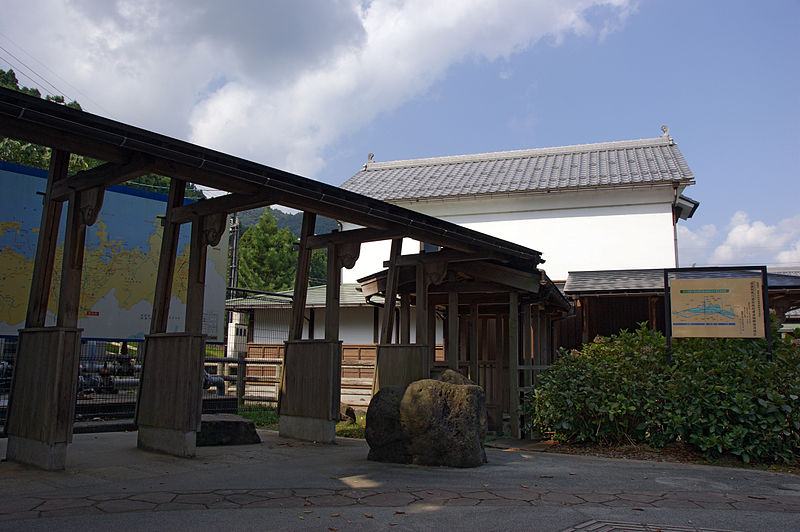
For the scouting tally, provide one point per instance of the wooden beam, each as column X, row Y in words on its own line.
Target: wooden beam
column 46, row 246
column 60, row 141
column 452, row 331
column 301, row 277
column 224, row 204
column 510, row 277
column 356, row 236
column 391, row 292
column 445, row 255
column 334, row 283
column 105, row 175
column 166, row 260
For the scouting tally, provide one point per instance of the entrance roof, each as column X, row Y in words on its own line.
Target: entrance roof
column 131, row 151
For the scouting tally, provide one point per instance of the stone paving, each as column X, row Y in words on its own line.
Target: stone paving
column 310, row 500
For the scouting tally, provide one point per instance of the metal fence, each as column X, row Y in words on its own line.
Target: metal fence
column 109, row 373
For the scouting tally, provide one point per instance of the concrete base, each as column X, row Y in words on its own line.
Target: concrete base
column 167, row 441
column 51, row 457
column 308, row 428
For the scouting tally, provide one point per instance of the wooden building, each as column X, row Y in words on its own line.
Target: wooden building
column 607, row 301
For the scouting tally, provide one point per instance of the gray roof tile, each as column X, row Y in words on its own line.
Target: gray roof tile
column 607, row 164
column 652, row 280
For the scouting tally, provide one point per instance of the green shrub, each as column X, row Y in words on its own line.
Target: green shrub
column 719, row 395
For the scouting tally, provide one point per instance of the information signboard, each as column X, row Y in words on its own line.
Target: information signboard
column 717, row 308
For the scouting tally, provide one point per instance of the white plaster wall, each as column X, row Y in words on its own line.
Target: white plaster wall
column 607, row 229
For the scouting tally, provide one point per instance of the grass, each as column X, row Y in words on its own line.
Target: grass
column 266, row 417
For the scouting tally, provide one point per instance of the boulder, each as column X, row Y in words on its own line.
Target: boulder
column 383, row 432
column 226, row 429
column 429, row 422
column 446, row 423
column 454, row 377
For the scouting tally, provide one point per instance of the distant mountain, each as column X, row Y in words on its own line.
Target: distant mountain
column 293, row 222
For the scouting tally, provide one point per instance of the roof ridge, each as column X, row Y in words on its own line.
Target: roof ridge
column 514, row 154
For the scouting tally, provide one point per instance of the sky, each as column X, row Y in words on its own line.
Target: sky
column 313, row 86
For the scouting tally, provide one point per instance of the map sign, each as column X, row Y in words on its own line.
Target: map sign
column 120, row 262
column 717, row 308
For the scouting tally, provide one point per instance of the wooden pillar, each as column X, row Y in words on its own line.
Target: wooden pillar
column 390, row 293
column 586, row 318
column 405, row 318
column 422, row 305
column 41, row 408
column 301, row 277
column 452, row 330
column 527, row 346
column 513, row 363
column 206, row 231
column 83, row 210
column 473, row 343
column 166, row 262
column 46, row 246
column 332, row 289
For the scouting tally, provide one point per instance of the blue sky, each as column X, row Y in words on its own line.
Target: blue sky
column 315, row 86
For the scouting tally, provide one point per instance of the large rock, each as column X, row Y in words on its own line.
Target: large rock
column 429, row 422
column 384, row 432
column 226, row 429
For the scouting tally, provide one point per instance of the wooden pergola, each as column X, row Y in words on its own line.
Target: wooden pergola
column 497, row 324
column 41, row 407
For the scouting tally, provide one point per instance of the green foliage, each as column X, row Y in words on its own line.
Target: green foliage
column 267, row 259
column 263, row 417
column 318, row 272
column 345, row 429
column 719, row 395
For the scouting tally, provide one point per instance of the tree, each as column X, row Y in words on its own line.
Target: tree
column 33, row 155
column 267, row 259
column 318, row 272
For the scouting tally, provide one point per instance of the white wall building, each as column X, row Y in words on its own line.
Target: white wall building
column 610, row 205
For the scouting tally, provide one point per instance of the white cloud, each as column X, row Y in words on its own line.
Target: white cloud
column 277, row 82
column 407, row 47
column 744, row 242
column 693, row 245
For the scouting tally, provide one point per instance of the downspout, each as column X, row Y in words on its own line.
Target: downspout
column 675, row 222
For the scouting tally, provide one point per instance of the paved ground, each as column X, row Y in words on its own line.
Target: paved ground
column 284, row 485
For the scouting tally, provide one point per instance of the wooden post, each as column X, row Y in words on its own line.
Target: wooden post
column 332, row 290
column 71, row 266
column 527, row 345
column 390, row 293
column 301, row 277
column 452, row 330
column 422, row 305
column 473, row 343
column 405, row 318
column 166, row 262
column 513, row 362
column 46, row 247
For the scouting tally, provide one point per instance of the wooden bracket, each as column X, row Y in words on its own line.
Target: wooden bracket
column 91, row 201
column 214, row 226
column 347, row 254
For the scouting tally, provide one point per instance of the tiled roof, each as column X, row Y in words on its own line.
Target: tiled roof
column 349, row 296
column 607, row 164
column 617, row 281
